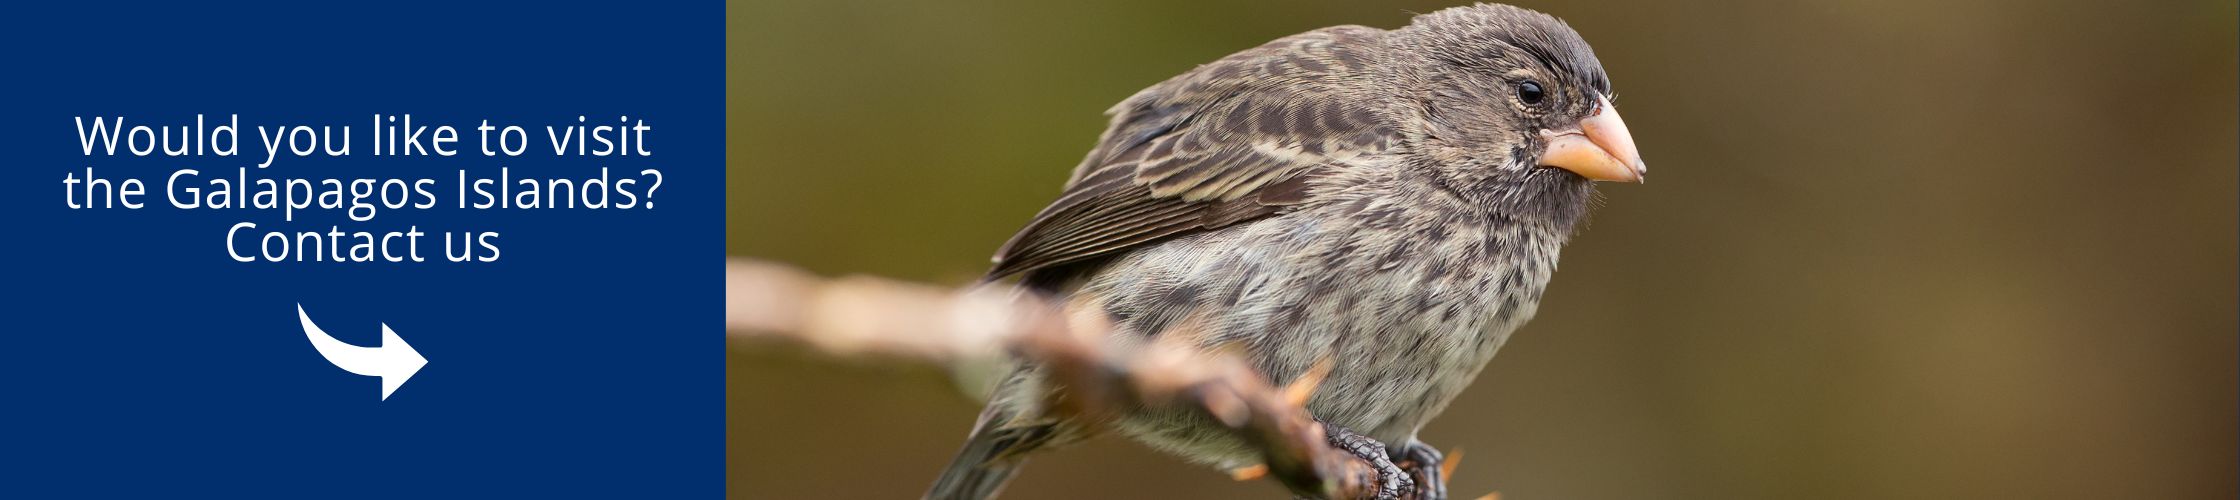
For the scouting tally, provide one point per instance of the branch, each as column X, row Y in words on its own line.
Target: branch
column 863, row 316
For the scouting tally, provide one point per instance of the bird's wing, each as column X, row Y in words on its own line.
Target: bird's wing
column 1230, row 141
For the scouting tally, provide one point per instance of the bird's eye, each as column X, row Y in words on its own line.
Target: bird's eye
column 1530, row 92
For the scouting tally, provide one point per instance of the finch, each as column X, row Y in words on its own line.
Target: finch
column 1392, row 201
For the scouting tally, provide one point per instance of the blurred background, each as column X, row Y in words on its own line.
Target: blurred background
column 1894, row 249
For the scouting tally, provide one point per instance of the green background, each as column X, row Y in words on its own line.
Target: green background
column 1892, row 249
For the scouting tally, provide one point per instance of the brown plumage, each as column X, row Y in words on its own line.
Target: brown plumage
column 1227, row 142
column 1392, row 201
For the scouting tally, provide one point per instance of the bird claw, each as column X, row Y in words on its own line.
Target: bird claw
column 1393, row 483
column 1428, row 467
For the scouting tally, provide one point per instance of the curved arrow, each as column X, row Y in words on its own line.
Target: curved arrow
column 394, row 361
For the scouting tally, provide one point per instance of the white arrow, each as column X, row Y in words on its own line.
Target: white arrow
column 394, row 361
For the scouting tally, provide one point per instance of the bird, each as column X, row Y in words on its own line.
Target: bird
column 1392, row 201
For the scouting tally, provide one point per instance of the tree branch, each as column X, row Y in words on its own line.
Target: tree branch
column 863, row 316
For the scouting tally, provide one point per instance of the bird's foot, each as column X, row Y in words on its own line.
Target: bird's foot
column 1427, row 466
column 1393, row 483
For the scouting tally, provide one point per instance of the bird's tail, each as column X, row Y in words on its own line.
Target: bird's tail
column 989, row 458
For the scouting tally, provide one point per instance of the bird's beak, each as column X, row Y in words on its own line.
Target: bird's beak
column 1598, row 149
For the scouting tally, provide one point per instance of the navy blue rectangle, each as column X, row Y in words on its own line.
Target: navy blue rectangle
column 141, row 358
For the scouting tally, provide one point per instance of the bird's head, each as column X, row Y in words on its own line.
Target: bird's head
column 1510, row 104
